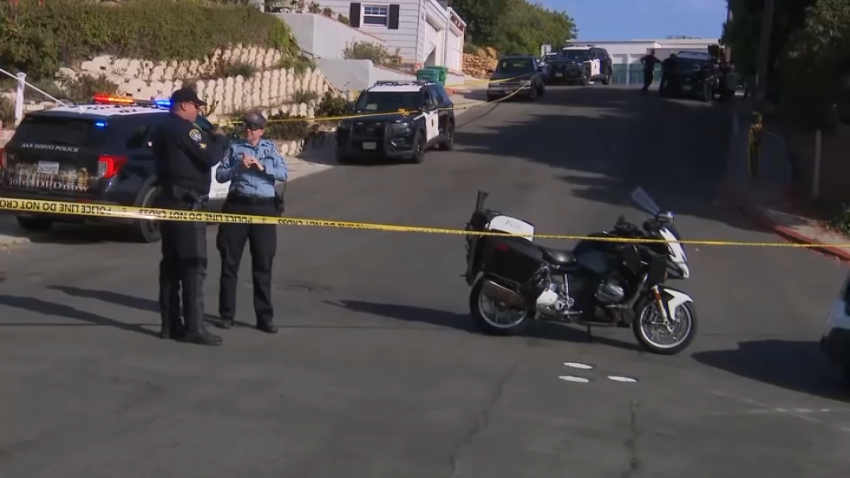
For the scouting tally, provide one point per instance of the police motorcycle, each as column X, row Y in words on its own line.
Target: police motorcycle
column 515, row 281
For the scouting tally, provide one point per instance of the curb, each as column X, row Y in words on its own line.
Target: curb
column 783, row 231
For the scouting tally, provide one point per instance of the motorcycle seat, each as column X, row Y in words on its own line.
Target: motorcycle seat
column 558, row 256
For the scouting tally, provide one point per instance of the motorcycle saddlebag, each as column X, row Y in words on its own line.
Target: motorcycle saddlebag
column 512, row 258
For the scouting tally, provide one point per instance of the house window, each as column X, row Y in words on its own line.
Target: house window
column 375, row 15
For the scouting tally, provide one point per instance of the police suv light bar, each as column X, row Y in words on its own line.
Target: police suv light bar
column 107, row 99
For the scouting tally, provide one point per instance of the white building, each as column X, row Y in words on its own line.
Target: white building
column 626, row 54
column 425, row 32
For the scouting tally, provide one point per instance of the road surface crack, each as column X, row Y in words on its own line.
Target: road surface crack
column 482, row 421
column 631, row 442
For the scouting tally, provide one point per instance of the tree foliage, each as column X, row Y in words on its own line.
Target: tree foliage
column 809, row 60
column 514, row 26
column 37, row 39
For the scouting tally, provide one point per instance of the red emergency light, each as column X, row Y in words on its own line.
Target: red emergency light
column 107, row 99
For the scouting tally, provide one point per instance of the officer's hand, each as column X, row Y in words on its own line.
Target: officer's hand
column 248, row 160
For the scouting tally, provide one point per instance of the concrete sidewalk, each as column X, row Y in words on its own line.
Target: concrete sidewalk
column 309, row 162
column 771, row 199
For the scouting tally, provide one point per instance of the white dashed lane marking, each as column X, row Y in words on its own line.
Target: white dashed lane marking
column 573, row 378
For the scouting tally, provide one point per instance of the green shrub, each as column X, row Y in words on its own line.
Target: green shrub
column 332, row 106
column 299, row 64
column 7, row 112
column 840, row 220
column 82, row 88
column 302, row 96
column 37, row 38
column 232, row 68
column 287, row 130
column 363, row 50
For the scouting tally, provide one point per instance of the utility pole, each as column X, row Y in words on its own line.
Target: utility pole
column 764, row 52
column 728, row 49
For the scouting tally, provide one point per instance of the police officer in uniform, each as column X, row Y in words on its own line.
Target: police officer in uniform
column 252, row 166
column 185, row 155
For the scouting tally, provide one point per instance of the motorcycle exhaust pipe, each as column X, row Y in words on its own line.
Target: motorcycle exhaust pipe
column 503, row 294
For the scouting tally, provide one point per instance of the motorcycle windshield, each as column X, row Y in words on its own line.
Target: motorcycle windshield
column 642, row 199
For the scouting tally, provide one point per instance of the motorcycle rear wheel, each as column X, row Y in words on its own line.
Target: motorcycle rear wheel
column 647, row 310
column 488, row 321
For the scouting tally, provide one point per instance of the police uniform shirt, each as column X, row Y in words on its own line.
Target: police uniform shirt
column 251, row 181
column 185, row 155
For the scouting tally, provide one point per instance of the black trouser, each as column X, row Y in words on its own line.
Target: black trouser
column 183, row 264
column 648, row 76
column 262, row 240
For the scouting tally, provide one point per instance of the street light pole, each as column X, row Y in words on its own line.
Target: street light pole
column 764, row 51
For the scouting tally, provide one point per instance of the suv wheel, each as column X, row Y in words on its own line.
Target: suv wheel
column 585, row 78
column 418, row 148
column 606, row 80
column 34, row 224
column 146, row 230
column 449, row 143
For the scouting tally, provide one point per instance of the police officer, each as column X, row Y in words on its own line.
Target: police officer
column 185, row 155
column 252, row 166
column 649, row 61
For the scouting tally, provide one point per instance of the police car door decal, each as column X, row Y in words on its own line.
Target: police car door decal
column 595, row 68
column 432, row 125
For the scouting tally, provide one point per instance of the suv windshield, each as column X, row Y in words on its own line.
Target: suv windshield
column 59, row 131
column 516, row 67
column 389, row 101
column 575, row 54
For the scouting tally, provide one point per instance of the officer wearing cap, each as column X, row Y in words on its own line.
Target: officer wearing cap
column 185, row 156
column 252, row 165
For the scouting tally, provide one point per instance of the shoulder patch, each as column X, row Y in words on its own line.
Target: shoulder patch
column 195, row 134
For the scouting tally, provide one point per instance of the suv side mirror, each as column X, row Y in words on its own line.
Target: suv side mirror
column 490, row 71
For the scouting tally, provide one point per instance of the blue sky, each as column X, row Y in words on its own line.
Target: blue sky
column 632, row 19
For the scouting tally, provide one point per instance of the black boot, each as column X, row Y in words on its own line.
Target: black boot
column 224, row 323
column 267, row 326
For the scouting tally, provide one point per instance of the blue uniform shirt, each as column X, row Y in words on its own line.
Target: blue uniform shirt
column 252, row 181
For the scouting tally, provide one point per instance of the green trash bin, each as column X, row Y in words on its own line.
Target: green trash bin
column 425, row 74
column 443, row 73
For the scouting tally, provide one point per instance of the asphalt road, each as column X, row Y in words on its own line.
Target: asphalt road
column 376, row 372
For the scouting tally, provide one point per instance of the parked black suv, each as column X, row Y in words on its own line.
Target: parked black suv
column 581, row 64
column 401, row 119
column 691, row 74
column 514, row 73
column 90, row 154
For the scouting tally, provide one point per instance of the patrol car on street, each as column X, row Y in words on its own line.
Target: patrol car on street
column 581, row 64
column 401, row 120
column 98, row 153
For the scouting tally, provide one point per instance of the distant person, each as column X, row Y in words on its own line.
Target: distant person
column 649, row 61
column 668, row 68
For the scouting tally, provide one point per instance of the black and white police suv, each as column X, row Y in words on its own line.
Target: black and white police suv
column 581, row 64
column 401, row 120
column 98, row 153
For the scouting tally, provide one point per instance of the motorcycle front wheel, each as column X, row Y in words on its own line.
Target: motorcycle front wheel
column 658, row 337
column 493, row 317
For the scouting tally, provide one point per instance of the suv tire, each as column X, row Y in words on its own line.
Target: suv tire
column 146, row 230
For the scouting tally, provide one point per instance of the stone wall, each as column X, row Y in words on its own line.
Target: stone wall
column 272, row 88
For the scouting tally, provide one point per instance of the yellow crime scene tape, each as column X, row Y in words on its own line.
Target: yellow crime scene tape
column 461, row 106
column 37, row 206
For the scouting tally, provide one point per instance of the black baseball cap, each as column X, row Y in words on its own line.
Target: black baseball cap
column 254, row 120
column 186, row 95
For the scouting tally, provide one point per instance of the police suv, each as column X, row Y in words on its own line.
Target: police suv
column 692, row 74
column 398, row 120
column 98, row 153
column 581, row 64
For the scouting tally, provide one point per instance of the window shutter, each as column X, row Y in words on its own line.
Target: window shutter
column 354, row 15
column 393, row 20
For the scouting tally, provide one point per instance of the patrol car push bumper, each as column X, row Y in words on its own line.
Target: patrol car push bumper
column 385, row 140
column 566, row 73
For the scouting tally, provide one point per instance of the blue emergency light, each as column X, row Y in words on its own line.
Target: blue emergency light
column 163, row 103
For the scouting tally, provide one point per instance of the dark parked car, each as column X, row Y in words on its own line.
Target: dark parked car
column 517, row 73
column 691, row 74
